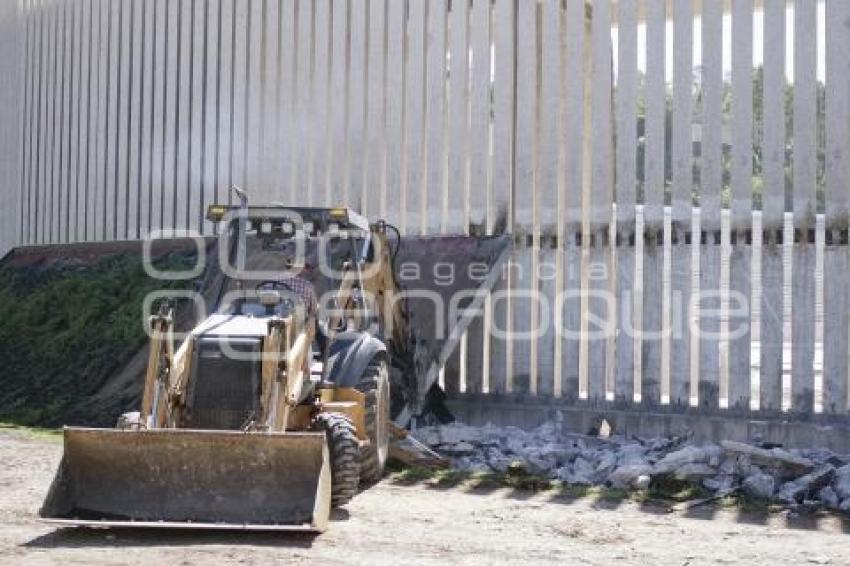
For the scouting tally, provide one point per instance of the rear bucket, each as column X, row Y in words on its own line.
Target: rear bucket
column 461, row 271
column 191, row 479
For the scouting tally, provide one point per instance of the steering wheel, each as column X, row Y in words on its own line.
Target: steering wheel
column 289, row 299
column 274, row 285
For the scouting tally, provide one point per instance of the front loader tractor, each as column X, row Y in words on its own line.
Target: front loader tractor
column 275, row 408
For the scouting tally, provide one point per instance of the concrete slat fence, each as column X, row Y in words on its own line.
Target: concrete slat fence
column 675, row 172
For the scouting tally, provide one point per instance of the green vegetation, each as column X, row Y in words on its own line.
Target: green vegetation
column 51, row 434
column 667, row 492
column 67, row 326
column 447, row 478
column 671, row 489
column 727, row 117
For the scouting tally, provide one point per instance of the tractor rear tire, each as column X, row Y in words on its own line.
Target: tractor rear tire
column 375, row 384
column 344, row 451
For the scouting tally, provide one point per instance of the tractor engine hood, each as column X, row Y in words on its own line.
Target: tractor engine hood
column 232, row 326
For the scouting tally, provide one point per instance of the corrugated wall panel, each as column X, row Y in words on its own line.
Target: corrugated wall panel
column 502, row 218
column 773, row 206
column 739, row 249
column 467, row 116
column 805, row 204
column 355, row 148
column 14, row 38
column 682, row 165
column 396, row 73
column 600, row 315
column 835, row 292
column 479, row 161
column 375, row 179
column 574, row 63
column 626, row 185
column 524, row 373
column 654, row 191
column 711, row 75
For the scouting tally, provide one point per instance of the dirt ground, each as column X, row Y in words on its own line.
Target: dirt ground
column 395, row 523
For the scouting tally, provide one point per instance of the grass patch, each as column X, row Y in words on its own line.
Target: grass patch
column 514, row 478
column 450, row 478
column 601, row 493
column 670, row 489
column 51, row 434
column 66, row 327
column 517, row 478
column 433, row 477
column 750, row 505
column 412, row 475
column 663, row 490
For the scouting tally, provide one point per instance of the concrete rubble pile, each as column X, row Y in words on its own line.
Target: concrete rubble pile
column 796, row 478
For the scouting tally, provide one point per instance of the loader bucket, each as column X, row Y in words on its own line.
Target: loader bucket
column 191, row 479
column 459, row 271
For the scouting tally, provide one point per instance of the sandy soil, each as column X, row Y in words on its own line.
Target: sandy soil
column 393, row 523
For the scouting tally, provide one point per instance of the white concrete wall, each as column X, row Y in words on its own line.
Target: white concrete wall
column 10, row 118
column 489, row 116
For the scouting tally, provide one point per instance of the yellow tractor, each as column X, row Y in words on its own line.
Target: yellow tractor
column 275, row 408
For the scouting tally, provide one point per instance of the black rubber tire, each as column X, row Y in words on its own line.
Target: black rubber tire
column 344, row 451
column 375, row 384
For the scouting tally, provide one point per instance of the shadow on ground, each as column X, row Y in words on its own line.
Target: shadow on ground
column 660, row 500
column 81, row 537
column 681, row 499
column 126, row 538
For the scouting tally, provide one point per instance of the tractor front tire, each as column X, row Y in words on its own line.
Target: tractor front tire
column 375, row 385
column 344, row 450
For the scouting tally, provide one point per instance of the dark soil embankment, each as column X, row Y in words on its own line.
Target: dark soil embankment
column 69, row 322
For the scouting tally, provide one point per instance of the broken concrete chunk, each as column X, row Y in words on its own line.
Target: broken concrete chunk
column 694, row 472
column 627, row 476
column 605, row 429
column 794, row 491
column 558, row 421
column 800, row 478
column 744, row 466
column 456, row 432
column 538, row 463
column 829, row 498
column 784, row 461
column 571, row 477
column 721, row 483
column 665, row 444
column 842, row 481
column 632, row 454
column 728, row 465
column 759, row 486
column 560, row 454
column 687, row 455
column 606, row 464
column 461, row 448
column 497, row 461
column 471, row 464
column 428, row 435
column 412, row 452
column 823, row 456
column 642, row 482
column 582, row 472
column 513, row 445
